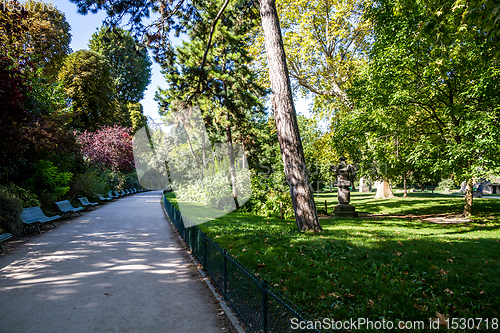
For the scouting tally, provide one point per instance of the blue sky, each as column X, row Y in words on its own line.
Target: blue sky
column 82, row 28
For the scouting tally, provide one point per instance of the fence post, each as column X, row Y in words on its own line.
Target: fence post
column 204, row 252
column 225, row 271
column 265, row 301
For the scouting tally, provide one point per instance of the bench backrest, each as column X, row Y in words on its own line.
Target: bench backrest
column 84, row 201
column 64, row 205
column 32, row 214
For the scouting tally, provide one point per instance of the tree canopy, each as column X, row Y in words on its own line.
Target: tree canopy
column 38, row 33
column 437, row 76
column 129, row 62
column 86, row 78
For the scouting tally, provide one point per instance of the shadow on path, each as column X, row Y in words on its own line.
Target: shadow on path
column 119, row 268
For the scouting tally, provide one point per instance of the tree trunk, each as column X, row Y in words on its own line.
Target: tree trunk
column 468, row 199
column 243, row 163
column 230, row 152
column 203, row 143
column 404, row 185
column 421, row 187
column 384, row 191
column 285, row 118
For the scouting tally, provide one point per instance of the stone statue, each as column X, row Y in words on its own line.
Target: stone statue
column 345, row 180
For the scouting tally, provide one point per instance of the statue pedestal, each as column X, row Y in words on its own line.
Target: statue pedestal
column 345, row 210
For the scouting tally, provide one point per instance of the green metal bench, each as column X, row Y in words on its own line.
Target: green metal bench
column 34, row 217
column 4, row 237
column 67, row 209
column 85, row 202
column 102, row 198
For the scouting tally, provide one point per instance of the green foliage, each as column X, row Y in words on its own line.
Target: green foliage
column 88, row 184
column 325, row 44
column 214, row 190
column 129, row 61
column 269, row 191
column 40, row 33
column 137, row 117
column 27, row 197
column 48, row 182
column 86, row 78
column 226, row 90
column 445, row 184
column 10, row 210
column 131, row 180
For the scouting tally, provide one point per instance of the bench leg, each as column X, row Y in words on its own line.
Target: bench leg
column 3, row 250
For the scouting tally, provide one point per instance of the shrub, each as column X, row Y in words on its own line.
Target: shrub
column 445, row 183
column 268, row 192
column 88, row 184
column 27, row 198
column 48, row 182
column 10, row 210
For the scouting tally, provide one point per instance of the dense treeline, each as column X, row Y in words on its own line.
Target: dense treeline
column 66, row 117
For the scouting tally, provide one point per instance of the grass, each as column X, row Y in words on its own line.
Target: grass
column 383, row 267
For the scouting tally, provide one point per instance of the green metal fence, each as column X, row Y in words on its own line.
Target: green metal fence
column 258, row 307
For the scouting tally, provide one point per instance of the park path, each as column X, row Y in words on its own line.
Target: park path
column 119, row 268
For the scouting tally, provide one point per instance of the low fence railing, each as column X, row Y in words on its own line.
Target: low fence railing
column 256, row 305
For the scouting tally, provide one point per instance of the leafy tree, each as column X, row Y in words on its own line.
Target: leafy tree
column 227, row 93
column 325, row 43
column 38, row 31
column 446, row 77
column 108, row 147
column 137, row 117
column 48, row 181
column 129, row 61
column 32, row 117
column 87, row 81
column 130, row 70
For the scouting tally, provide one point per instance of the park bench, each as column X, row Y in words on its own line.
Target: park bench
column 102, row 198
column 4, row 237
column 85, row 202
column 117, row 194
column 122, row 192
column 67, row 209
column 34, row 217
column 111, row 194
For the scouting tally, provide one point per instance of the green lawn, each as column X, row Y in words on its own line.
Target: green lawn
column 384, row 267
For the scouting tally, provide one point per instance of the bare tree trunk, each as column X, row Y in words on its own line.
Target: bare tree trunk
column 243, row 163
column 468, row 198
column 384, row 191
column 230, row 152
column 404, row 185
column 203, row 149
column 191, row 148
column 285, row 118
column 421, row 187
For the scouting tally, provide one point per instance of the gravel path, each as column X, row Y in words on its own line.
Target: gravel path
column 119, row 268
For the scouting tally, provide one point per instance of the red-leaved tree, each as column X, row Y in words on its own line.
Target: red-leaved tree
column 108, row 147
